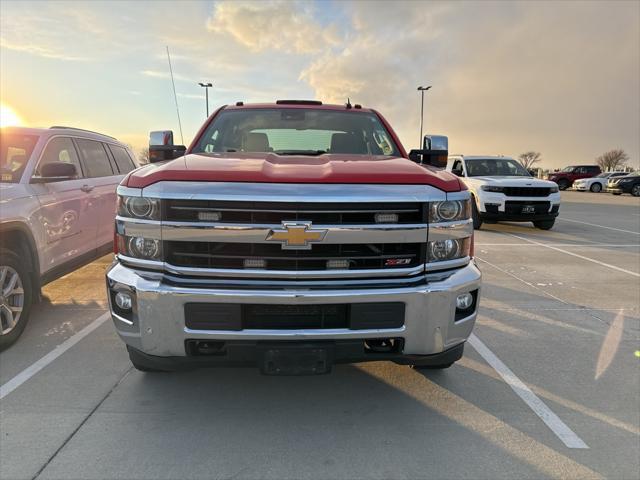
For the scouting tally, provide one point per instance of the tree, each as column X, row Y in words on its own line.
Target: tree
column 528, row 159
column 612, row 160
column 143, row 156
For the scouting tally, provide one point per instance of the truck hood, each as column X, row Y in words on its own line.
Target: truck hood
column 272, row 168
column 511, row 181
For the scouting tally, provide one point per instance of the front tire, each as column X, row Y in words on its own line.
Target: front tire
column 563, row 184
column 544, row 224
column 635, row 191
column 475, row 215
column 16, row 295
column 596, row 187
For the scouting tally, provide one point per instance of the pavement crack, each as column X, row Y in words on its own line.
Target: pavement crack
column 75, row 430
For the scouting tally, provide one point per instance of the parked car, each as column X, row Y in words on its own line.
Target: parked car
column 292, row 236
column 627, row 184
column 58, row 194
column 598, row 183
column 565, row 177
column 502, row 189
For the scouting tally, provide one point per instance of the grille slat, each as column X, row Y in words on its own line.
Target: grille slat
column 225, row 255
column 527, row 191
column 277, row 212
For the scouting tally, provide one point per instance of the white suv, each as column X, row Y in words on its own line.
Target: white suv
column 503, row 190
column 57, row 204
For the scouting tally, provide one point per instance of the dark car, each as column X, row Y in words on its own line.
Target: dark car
column 565, row 177
column 629, row 184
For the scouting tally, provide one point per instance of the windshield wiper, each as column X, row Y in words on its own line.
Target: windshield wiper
column 309, row 153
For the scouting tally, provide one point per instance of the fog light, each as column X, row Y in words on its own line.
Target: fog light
column 464, row 301
column 386, row 217
column 209, row 216
column 254, row 263
column 124, row 301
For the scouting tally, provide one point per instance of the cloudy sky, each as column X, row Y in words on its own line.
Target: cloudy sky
column 560, row 78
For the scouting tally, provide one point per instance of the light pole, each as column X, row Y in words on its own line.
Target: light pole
column 422, row 90
column 206, row 92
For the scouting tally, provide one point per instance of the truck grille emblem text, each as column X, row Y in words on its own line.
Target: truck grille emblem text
column 296, row 235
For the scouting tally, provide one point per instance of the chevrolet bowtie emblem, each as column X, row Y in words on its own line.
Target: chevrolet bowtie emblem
column 296, row 235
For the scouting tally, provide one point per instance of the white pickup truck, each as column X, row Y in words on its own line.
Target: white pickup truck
column 503, row 190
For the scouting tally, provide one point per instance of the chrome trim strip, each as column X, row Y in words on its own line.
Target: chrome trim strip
column 329, row 333
column 140, row 263
column 138, row 228
column 445, row 230
column 129, row 192
column 461, row 195
column 256, row 274
column 295, row 192
column 258, row 233
column 122, row 319
column 458, row 262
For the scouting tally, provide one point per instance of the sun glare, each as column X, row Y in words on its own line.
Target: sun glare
column 9, row 118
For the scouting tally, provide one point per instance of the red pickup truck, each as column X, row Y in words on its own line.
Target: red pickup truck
column 565, row 177
column 292, row 236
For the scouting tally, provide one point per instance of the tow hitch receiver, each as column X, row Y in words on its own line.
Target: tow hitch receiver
column 290, row 360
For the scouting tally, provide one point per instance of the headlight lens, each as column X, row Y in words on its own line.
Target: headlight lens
column 139, row 207
column 449, row 249
column 449, row 211
column 554, row 189
column 140, row 247
column 492, row 188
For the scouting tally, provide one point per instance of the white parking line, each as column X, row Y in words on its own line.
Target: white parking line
column 596, row 225
column 34, row 368
column 598, row 262
column 580, row 245
column 557, row 426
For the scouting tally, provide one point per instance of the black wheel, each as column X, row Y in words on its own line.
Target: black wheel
column 432, row 367
column 544, row 224
column 475, row 215
column 16, row 294
column 563, row 184
column 635, row 190
column 596, row 187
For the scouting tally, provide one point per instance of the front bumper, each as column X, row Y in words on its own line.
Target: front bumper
column 157, row 327
column 581, row 187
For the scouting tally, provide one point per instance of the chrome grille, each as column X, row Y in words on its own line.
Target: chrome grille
column 277, row 212
column 233, row 255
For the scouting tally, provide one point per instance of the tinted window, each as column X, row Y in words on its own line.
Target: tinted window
column 593, row 169
column 297, row 132
column 94, row 158
column 123, row 160
column 15, row 150
column 59, row 149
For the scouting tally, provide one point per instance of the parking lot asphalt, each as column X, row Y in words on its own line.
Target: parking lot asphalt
column 560, row 312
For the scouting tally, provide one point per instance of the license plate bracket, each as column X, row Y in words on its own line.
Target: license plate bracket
column 528, row 209
column 296, row 361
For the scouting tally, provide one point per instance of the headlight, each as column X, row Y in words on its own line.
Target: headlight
column 492, row 188
column 449, row 211
column 140, row 247
column 450, row 249
column 139, row 207
column 554, row 189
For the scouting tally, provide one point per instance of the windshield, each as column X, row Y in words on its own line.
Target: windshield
column 15, row 150
column 288, row 131
column 495, row 167
column 604, row 175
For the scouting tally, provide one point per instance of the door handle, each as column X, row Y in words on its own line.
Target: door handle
column 87, row 188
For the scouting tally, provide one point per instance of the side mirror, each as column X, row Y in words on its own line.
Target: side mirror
column 56, row 172
column 458, row 172
column 161, row 146
column 434, row 152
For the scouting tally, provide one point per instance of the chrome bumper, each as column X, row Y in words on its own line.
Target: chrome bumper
column 158, row 327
